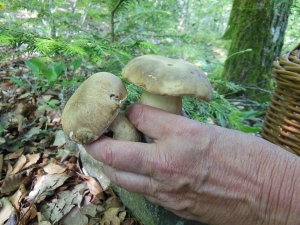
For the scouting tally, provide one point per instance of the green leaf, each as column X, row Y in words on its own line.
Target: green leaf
column 12, row 147
column 53, row 103
column 35, row 70
column 54, row 76
column 38, row 62
column 248, row 129
column 47, row 74
column 258, row 125
column 17, row 81
column 1, row 130
column 76, row 63
column 59, row 68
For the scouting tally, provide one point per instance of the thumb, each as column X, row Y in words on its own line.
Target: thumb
column 153, row 122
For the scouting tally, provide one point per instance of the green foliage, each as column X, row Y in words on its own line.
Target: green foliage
column 120, row 6
column 133, row 93
column 219, row 111
column 17, row 81
column 52, row 103
column 47, row 75
column 1, row 130
column 292, row 35
column 240, row 116
column 66, row 35
column 252, row 114
column 229, row 85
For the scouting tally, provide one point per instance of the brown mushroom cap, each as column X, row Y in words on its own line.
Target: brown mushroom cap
column 164, row 76
column 93, row 107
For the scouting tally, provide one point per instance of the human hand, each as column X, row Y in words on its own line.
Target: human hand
column 197, row 171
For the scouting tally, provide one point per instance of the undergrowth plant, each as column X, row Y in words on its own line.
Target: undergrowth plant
column 66, row 35
column 219, row 111
column 47, row 73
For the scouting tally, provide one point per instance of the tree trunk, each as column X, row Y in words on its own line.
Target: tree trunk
column 256, row 28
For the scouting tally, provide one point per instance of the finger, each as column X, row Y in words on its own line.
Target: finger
column 153, row 122
column 127, row 156
column 130, row 181
column 152, row 199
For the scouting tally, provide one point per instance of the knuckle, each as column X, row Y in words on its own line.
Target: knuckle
column 107, row 155
column 117, row 179
column 137, row 116
column 152, row 188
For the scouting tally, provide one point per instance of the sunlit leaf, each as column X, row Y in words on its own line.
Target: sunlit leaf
column 76, row 63
column 12, row 183
column 6, row 210
column 17, row 81
column 34, row 69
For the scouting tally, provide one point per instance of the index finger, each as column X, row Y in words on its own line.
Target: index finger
column 153, row 122
column 123, row 155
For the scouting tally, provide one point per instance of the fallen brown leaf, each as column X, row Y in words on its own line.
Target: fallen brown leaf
column 5, row 210
column 18, row 196
column 110, row 216
column 11, row 183
column 28, row 214
column 93, row 185
column 18, row 165
column 31, row 159
column 60, row 139
column 53, row 168
column 14, row 155
column 45, row 186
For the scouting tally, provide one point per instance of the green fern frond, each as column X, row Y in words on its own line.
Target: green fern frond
column 73, row 49
column 219, row 110
column 120, row 6
column 145, row 14
column 147, row 45
column 7, row 39
column 48, row 46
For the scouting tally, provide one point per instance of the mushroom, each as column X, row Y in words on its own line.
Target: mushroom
column 166, row 80
column 94, row 109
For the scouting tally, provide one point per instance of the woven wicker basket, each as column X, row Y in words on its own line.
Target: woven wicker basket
column 282, row 121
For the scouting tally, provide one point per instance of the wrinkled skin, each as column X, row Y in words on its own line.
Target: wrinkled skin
column 204, row 172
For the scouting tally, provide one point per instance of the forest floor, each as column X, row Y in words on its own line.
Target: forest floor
column 38, row 174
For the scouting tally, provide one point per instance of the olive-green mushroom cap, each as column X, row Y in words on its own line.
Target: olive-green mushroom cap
column 93, row 107
column 164, row 76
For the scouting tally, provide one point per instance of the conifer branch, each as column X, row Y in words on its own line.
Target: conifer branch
column 112, row 23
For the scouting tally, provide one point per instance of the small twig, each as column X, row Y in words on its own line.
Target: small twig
column 124, row 39
column 35, row 91
column 19, row 223
column 258, row 88
column 240, row 52
column 112, row 22
column 1, row 164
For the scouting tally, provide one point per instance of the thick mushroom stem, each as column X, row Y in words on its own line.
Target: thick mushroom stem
column 171, row 104
column 123, row 129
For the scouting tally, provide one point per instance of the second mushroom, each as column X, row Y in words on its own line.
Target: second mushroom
column 164, row 81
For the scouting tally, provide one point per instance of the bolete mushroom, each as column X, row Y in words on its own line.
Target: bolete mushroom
column 166, row 80
column 94, row 108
